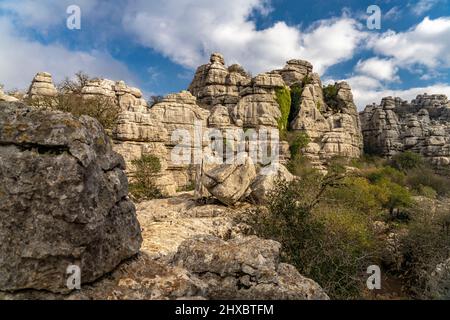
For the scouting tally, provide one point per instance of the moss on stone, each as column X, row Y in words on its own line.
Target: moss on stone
column 283, row 97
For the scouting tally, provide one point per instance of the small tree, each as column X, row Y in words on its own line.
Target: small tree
column 154, row 100
column 143, row 186
column 407, row 161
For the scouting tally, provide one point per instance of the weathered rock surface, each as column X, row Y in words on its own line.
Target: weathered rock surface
column 440, row 281
column 266, row 181
column 230, row 182
column 421, row 126
column 244, row 268
column 6, row 98
column 224, row 98
column 42, row 86
column 332, row 132
column 63, row 200
column 150, row 130
column 162, row 270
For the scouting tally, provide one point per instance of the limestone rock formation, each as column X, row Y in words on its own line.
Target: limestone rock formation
column 251, row 103
column 230, row 182
column 162, row 270
column 214, row 84
column 5, row 97
column 150, row 130
column 266, row 181
column 244, row 268
column 333, row 131
column 224, row 98
column 63, row 200
column 42, row 86
column 421, row 126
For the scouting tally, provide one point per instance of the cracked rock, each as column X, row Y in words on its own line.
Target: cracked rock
column 63, row 200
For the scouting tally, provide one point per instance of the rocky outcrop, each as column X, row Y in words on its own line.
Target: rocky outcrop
column 229, row 182
column 251, row 103
column 63, row 200
column 244, row 269
column 421, row 126
column 151, row 130
column 224, row 98
column 215, row 84
column 42, row 87
column 176, row 232
column 333, row 131
column 6, row 98
column 266, row 181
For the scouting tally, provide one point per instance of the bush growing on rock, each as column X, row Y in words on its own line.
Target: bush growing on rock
column 330, row 95
column 143, row 185
column 425, row 246
column 331, row 243
column 69, row 99
column 407, row 161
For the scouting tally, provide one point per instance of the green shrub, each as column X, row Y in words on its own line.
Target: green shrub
column 424, row 247
column 421, row 178
column 407, row 161
column 143, row 185
column 69, row 99
column 330, row 95
column 331, row 244
column 283, row 97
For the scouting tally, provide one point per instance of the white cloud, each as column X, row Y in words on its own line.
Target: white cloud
column 393, row 14
column 187, row 31
column 426, row 44
column 21, row 59
column 381, row 69
column 44, row 14
column 423, row 6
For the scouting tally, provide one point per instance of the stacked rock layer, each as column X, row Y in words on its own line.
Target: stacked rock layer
column 421, row 126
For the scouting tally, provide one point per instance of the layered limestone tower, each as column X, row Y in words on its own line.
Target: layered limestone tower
column 421, row 126
column 251, row 103
column 42, row 87
column 223, row 98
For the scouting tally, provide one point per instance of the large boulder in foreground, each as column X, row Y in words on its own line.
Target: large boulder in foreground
column 246, row 268
column 267, row 181
column 63, row 200
column 229, row 182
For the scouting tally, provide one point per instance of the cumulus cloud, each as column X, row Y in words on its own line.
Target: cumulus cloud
column 44, row 14
column 187, row 31
column 426, row 44
column 21, row 58
column 380, row 69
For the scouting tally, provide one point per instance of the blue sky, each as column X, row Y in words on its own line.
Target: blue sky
column 156, row 45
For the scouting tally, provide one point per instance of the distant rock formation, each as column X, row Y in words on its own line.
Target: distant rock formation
column 42, row 87
column 6, row 98
column 421, row 126
column 63, row 200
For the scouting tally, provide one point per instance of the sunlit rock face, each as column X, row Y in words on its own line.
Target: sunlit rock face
column 421, row 126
